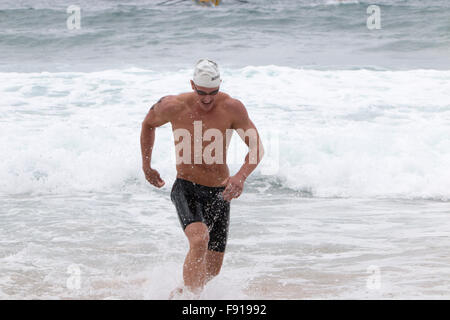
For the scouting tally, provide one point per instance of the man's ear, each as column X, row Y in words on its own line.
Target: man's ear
column 192, row 85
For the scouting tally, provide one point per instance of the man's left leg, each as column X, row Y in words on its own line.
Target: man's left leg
column 217, row 216
column 214, row 260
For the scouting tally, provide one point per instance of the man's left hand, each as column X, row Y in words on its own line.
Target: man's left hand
column 234, row 187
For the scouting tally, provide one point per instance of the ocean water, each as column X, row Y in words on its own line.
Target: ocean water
column 350, row 202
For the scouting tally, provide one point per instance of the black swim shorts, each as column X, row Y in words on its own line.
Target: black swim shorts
column 198, row 203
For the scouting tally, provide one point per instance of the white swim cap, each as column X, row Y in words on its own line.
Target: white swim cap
column 206, row 74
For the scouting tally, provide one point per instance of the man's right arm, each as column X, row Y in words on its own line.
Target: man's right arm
column 158, row 115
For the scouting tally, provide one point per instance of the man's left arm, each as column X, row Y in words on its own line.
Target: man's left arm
column 249, row 134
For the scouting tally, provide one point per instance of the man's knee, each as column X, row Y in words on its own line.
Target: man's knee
column 199, row 242
column 198, row 236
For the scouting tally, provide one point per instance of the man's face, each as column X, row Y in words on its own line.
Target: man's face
column 206, row 96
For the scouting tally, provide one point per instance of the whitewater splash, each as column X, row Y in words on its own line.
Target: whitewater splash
column 342, row 133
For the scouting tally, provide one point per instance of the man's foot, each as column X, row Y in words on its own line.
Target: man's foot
column 178, row 291
column 184, row 293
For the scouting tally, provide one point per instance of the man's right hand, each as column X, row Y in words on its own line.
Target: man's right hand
column 153, row 177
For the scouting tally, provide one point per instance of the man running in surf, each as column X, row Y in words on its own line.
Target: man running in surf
column 202, row 123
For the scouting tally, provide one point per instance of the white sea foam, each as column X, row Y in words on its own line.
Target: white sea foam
column 131, row 246
column 356, row 133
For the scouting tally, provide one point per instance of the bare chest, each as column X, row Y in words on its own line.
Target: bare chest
column 210, row 123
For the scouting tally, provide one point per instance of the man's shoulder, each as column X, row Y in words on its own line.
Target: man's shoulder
column 234, row 105
column 172, row 104
column 231, row 102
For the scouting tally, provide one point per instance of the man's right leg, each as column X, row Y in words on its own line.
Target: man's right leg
column 194, row 268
